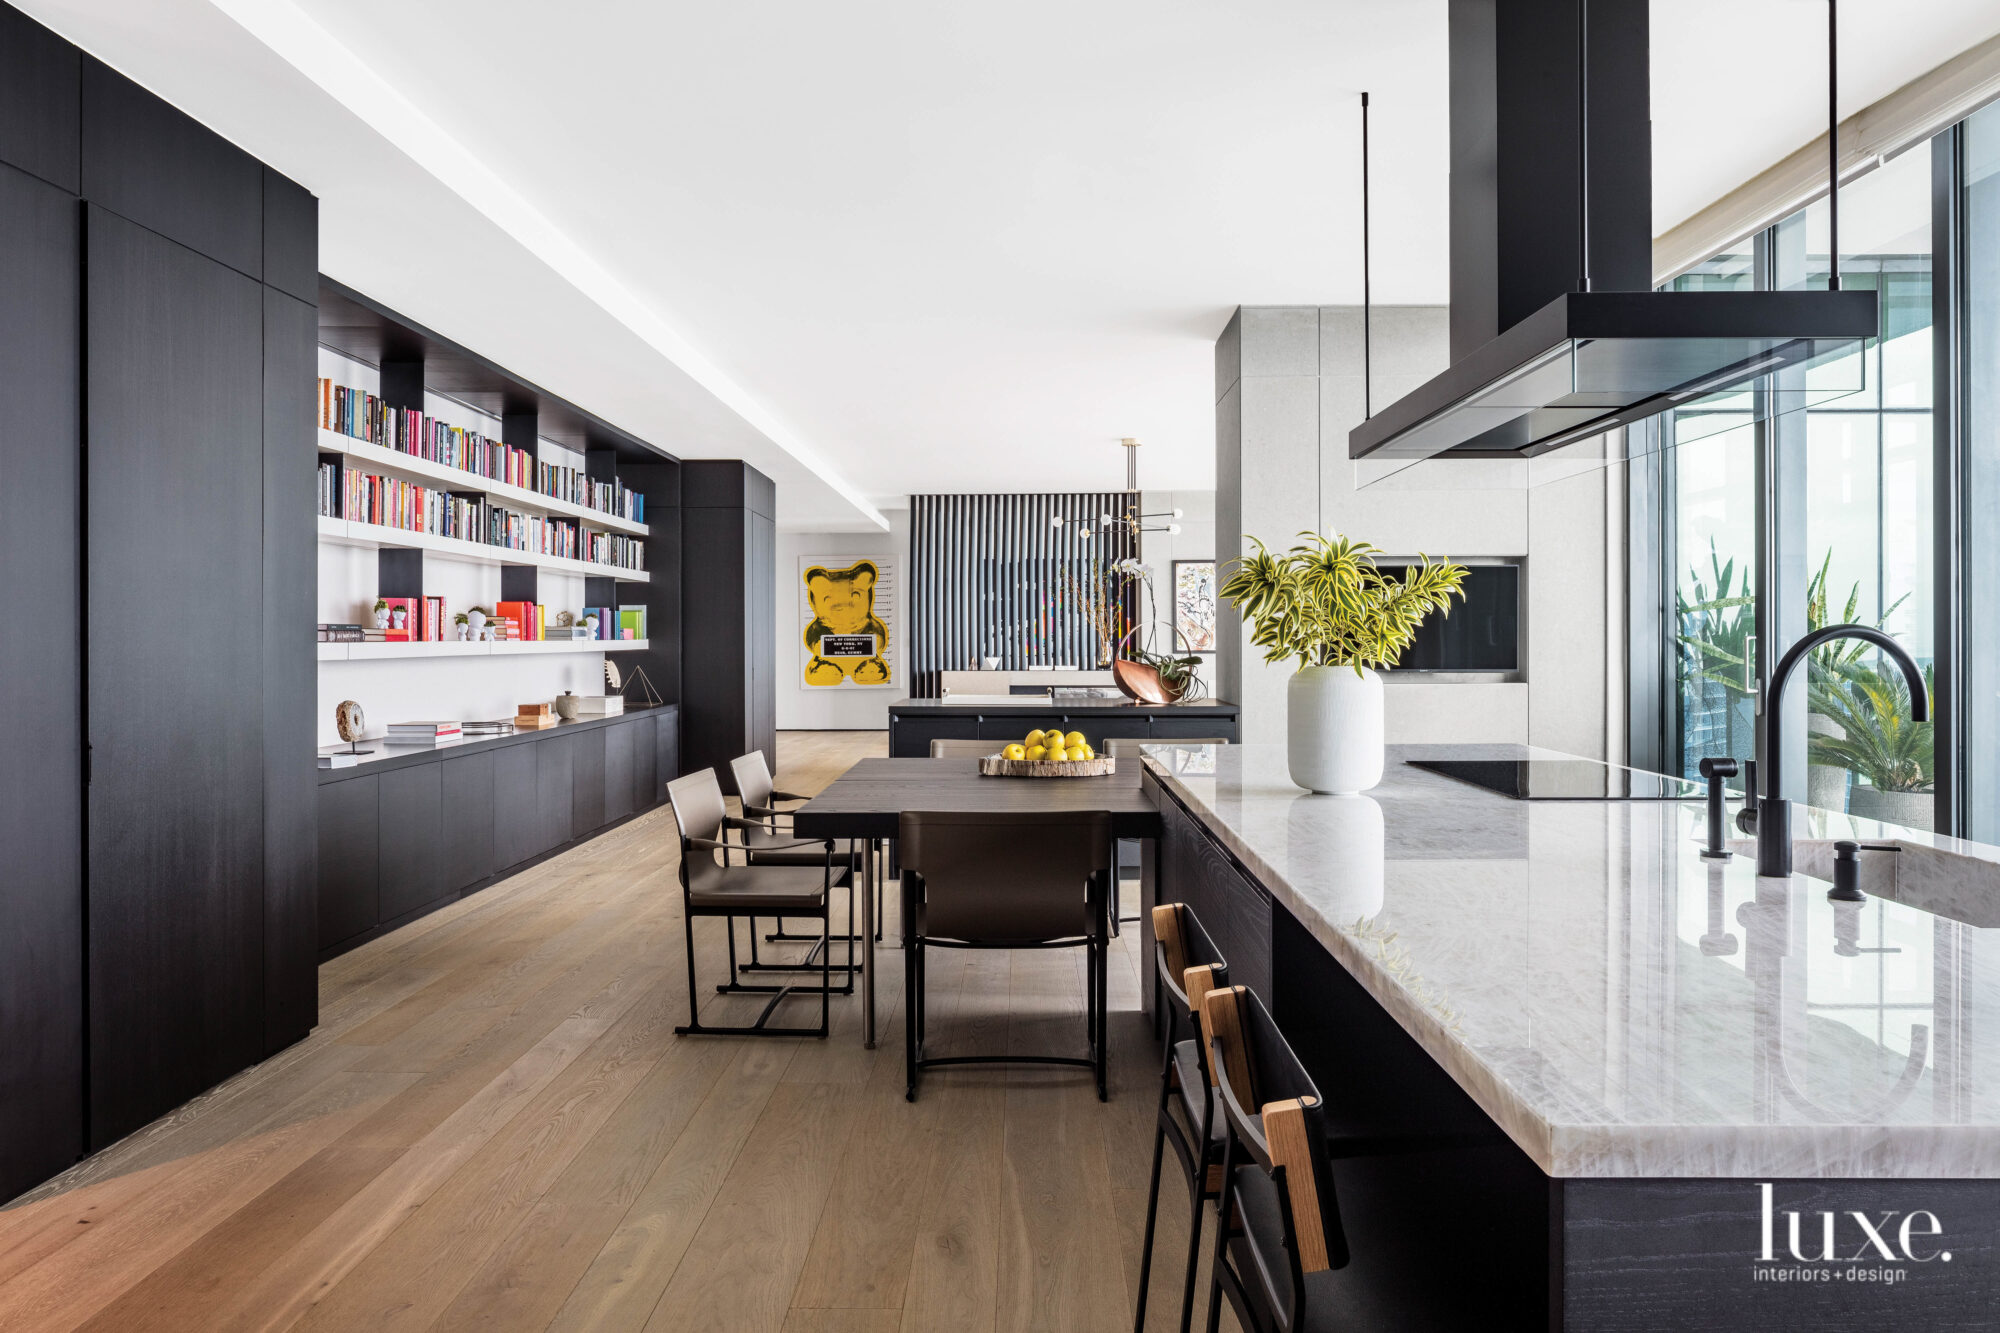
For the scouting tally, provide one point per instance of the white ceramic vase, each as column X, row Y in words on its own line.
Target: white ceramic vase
column 1333, row 729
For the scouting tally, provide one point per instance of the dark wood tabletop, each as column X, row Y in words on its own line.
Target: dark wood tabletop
column 868, row 800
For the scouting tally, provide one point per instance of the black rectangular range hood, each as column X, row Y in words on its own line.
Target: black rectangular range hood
column 1556, row 332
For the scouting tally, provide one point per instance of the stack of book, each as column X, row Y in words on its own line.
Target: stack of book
column 533, row 717
column 631, row 622
column 422, row 733
column 527, row 617
column 498, row 727
column 340, row 634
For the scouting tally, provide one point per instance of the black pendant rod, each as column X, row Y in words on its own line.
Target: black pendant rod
column 1833, row 143
column 1367, row 302
column 1583, row 142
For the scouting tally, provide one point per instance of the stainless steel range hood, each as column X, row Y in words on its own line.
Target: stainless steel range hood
column 1556, row 333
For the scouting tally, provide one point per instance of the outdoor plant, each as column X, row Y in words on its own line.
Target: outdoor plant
column 1325, row 603
column 1718, row 626
column 1882, row 742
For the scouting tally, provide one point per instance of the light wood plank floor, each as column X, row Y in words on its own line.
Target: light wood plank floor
column 494, row 1127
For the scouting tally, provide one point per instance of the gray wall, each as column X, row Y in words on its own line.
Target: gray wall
column 1288, row 389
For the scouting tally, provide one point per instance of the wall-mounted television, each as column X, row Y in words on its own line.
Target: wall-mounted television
column 1481, row 635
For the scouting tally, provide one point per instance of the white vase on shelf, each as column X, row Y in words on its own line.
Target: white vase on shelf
column 1334, row 729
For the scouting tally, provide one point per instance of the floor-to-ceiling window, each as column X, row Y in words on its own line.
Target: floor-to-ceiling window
column 1979, row 436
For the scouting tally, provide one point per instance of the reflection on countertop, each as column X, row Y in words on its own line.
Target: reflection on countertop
column 1622, row 1007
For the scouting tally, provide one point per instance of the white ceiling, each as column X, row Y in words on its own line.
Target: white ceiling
column 908, row 246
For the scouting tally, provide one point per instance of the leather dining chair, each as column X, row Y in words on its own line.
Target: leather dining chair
column 957, row 749
column 966, row 885
column 730, row 890
column 770, row 843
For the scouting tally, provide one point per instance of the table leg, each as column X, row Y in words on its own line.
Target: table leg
column 868, row 945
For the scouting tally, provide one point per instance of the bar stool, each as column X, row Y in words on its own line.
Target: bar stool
column 709, row 888
column 1186, row 967
column 1279, row 1237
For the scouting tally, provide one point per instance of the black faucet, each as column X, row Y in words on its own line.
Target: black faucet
column 1717, row 770
column 1774, row 813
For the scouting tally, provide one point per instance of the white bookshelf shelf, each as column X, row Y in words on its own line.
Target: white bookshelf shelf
column 371, row 652
column 395, row 461
column 347, row 532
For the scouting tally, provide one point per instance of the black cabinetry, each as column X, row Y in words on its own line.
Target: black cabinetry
column 1234, row 909
column 41, row 903
column 410, row 830
column 728, row 614
column 174, row 406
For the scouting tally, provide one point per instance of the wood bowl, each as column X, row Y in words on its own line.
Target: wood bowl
column 993, row 766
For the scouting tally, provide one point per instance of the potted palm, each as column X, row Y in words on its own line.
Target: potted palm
column 1893, row 755
column 1325, row 605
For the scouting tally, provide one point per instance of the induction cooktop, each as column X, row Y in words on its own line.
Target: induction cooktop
column 1563, row 780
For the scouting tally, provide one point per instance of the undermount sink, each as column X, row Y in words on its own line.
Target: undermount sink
column 1938, row 880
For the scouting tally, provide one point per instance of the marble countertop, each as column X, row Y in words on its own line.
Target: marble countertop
column 1622, row 1007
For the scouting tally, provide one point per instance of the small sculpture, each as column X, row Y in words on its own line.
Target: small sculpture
column 476, row 618
column 612, row 680
column 565, row 619
column 381, row 614
column 566, row 706
column 351, row 724
column 590, row 623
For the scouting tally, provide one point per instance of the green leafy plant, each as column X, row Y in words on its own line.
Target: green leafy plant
column 1325, row 603
column 1718, row 626
column 1829, row 658
column 1883, row 743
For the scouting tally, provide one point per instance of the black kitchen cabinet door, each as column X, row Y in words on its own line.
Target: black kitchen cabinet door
column 1236, row 912
column 467, row 817
column 586, row 804
column 618, row 771
column 175, row 439
column 291, row 672
column 517, row 822
column 349, row 838
column 555, row 773
column 412, row 806
column 148, row 162
column 41, row 779
column 38, row 105
column 646, row 784
column 667, row 748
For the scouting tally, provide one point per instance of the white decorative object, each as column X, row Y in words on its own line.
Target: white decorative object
column 590, row 623
column 476, row 618
column 989, row 664
column 1333, row 726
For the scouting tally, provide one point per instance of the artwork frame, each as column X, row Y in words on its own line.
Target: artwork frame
column 847, row 602
column 1193, row 603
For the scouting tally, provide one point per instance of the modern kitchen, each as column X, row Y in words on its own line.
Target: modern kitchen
column 1305, row 668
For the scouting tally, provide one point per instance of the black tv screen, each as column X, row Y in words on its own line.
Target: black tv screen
column 1482, row 633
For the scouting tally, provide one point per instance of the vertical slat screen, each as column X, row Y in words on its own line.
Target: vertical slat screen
column 987, row 579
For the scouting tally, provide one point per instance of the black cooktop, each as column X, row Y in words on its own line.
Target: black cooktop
column 1563, row 780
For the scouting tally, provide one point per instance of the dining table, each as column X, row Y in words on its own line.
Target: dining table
column 866, row 803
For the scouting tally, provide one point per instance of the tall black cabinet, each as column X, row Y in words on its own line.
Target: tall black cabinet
column 156, row 364
column 729, row 534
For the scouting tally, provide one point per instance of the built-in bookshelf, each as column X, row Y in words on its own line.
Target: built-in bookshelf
column 445, row 477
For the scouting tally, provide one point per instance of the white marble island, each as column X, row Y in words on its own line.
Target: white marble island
column 1656, row 1035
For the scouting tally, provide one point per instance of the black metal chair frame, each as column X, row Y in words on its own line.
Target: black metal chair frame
column 768, row 816
column 1177, row 959
column 690, row 846
column 915, row 945
column 1246, row 1148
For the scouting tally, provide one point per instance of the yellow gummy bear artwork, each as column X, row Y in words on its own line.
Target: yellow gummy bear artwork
column 845, row 640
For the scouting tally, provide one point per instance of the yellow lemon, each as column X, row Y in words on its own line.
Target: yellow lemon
column 1057, row 754
column 1079, row 752
column 1074, row 739
column 1089, row 753
column 1033, row 752
column 1015, row 752
column 1034, row 737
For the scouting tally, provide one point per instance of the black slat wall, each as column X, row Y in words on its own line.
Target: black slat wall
column 987, row 578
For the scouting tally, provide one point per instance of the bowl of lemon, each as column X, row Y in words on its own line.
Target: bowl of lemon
column 1048, row 754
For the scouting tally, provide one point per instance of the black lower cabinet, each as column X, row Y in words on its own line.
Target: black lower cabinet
column 401, row 841
column 174, row 435
column 1234, row 909
column 467, row 817
column 516, row 817
column 410, row 869
column 349, row 839
column 41, row 779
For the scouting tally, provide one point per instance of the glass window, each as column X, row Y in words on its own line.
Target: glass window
column 1980, row 475
column 1867, row 555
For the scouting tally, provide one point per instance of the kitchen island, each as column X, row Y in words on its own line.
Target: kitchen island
column 915, row 723
column 1632, row 1070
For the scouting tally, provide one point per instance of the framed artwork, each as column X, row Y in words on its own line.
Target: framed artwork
column 1194, row 606
column 846, row 605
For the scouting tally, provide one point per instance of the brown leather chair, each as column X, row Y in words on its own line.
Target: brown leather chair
column 1186, row 967
column 966, row 885
column 729, row 889
column 954, row 749
column 1279, row 1237
column 771, row 843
